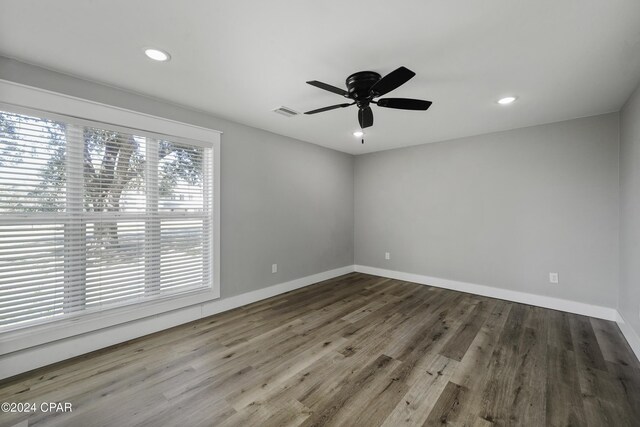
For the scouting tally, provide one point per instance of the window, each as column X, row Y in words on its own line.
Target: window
column 95, row 216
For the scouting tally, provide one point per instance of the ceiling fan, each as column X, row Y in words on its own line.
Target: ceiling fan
column 363, row 87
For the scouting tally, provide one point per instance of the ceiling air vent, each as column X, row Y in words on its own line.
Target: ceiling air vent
column 286, row 111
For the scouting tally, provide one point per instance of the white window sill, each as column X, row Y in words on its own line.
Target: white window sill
column 35, row 335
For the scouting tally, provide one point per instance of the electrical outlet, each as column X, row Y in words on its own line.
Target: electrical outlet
column 274, row 268
column 554, row 278
column 387, row 255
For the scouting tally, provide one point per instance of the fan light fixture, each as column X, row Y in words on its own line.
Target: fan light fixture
column 506, row 100
column 358, row 134
column 157, row 54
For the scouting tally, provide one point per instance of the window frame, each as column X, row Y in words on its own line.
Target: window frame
column 37, row 102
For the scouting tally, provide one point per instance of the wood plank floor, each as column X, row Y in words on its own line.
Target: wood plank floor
column 357, row 350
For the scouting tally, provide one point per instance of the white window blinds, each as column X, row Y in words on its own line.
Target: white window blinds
column 93, row 216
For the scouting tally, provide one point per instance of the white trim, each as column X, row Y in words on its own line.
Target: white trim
column 217, row 236
column 84, row 323
column 34, row 357
column 505, row 294
column 59, row 103
column 55, row 103
column 225, row 304
column 630, row 334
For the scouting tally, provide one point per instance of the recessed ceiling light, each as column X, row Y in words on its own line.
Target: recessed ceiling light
column 506, row 100
column 157, row 54
column 358, row 134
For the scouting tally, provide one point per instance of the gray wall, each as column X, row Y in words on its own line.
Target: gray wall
column 283, row 201
column 502, row 210
column 629, row 304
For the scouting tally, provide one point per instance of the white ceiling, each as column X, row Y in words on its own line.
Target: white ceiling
column 240, row 59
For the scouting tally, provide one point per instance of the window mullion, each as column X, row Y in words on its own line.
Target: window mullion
column 207, row 195
column 75, row 227
column 152, row 225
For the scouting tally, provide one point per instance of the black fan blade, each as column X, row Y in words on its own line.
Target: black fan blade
column 365, row 117
column 404, row 103
column 392, row 81
column 332, row 107
column 330, row 88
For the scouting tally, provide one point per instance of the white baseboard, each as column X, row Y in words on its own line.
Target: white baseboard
column 35, row 357
column 630, row 334
column 505, row 294
column 213, row 307
column 25, row 360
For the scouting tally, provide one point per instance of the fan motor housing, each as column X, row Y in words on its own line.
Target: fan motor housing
column 359, row 86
